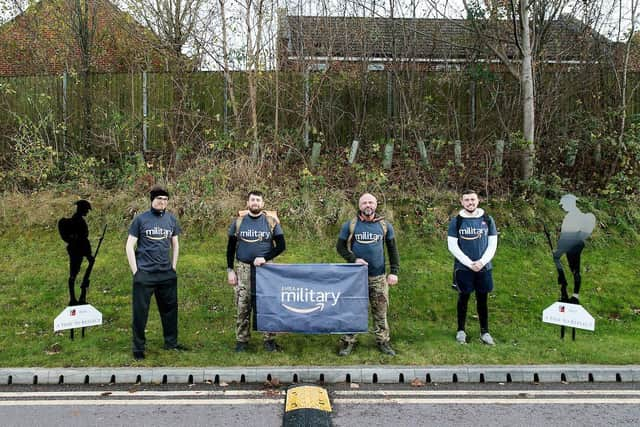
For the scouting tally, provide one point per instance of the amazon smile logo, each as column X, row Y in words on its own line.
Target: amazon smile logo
column 157, row 233
column 253, row 236
column 305, row 300
column 472, row 233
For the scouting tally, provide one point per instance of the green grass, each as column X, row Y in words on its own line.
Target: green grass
column 422, row 313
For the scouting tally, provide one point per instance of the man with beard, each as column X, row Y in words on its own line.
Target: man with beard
column 362, row 241
column 75, row 232
column 472, row 240
column 152, row 251
column 255, row 237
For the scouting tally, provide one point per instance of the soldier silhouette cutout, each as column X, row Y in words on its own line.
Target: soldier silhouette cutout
column 75, row 232
column 576, row 228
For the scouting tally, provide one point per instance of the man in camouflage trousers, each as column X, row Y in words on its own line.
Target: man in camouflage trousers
column 254, row 239
column 362, row 241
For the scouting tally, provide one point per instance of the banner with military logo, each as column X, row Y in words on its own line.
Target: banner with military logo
column 311, row 298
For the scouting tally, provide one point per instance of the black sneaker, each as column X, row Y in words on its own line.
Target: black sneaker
column 271, row 346
column 138, row 355
column 178, row 347
column 574, row 300
column 345, row 348
column 241, row 347
column 385, row 348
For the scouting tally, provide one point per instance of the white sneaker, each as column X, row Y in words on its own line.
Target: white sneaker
column 461, row 337
column 487, row 339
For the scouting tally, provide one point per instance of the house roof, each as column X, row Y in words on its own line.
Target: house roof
column 40, row 41
column 420, row 38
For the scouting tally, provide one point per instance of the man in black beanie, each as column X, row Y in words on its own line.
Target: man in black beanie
column 152, row 251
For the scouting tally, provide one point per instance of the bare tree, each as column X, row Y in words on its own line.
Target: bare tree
column 621, row 71
column 502, row 24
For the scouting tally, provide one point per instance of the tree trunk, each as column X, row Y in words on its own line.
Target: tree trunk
column 225, row 58
column 528, row 98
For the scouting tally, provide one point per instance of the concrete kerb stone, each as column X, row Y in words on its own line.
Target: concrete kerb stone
column 282, row 374
column 232, row 375
column 332, row 375
column 489, row 374
column 176, row 376
column 442, row 374
column 384, row 374
column 25, row 376
column 387, row 374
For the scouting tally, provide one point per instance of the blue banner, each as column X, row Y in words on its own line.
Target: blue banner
column 312, row 298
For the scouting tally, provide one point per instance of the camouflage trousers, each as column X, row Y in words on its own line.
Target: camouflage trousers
column 243, row 304
column 379, row 302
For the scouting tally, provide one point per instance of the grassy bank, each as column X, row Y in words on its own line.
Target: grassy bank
column 422, row 314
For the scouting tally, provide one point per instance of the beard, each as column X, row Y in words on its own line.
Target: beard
column 255, row 210
column 368, row 212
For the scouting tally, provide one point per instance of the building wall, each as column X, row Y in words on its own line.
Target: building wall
column 40, row 41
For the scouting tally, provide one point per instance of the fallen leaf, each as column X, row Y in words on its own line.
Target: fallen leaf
column 105, row 393
column 417, row 383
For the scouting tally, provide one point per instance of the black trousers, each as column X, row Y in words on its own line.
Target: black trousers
column 164, row 286
column 482, row 307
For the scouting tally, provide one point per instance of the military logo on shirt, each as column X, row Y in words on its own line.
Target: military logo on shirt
column 367, row 238
column 473, row 233
column 254, row 236
column 158, row 233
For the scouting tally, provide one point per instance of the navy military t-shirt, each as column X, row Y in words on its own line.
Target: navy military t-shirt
column 367, row 243
column 254, row 239
column 154, row 232
column 473, row 237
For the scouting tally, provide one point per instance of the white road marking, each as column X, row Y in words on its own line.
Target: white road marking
column 346, row 393
column 347, row 401
column 414, row 401
column 143, row 402
column 485, row 392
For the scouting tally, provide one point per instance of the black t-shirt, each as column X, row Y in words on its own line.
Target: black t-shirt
column 154, row 231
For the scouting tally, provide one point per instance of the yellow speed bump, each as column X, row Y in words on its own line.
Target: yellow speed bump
column 307, row 406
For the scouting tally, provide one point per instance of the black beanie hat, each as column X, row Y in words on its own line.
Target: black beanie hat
column 158, row 191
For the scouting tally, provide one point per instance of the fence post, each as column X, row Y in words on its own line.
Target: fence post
column 145, row 113
column 499, row 156
column 457, row 151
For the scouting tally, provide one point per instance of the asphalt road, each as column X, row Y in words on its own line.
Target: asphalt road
column 590, row 404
